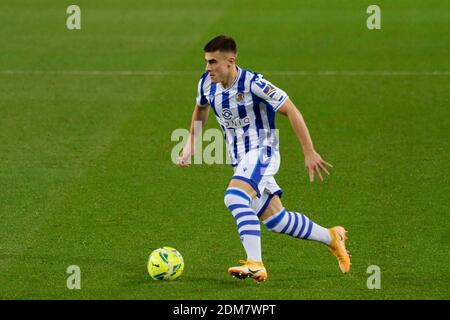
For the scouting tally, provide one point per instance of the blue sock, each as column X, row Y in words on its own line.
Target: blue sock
column 297, row 225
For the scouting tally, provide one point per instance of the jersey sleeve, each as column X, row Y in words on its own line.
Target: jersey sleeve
column 201, row 98
column 268, row 92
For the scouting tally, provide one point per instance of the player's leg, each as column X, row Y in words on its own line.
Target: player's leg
column 244, row 186
column 238, row 198
column 247, row 183
column 277, row 219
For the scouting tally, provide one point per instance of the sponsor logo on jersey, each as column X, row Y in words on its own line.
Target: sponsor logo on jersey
column 226, row 113
column 235, row 123
column 269, row 90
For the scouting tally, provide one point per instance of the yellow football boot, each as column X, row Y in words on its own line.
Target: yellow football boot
column 249, row 268
column 337, row 248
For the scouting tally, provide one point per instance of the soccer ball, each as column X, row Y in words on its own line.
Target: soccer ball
column 165, row 263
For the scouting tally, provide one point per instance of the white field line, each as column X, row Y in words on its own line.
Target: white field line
column 191, row 73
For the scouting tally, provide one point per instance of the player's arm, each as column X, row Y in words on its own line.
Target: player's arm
column 313, row 160
column 199, row 114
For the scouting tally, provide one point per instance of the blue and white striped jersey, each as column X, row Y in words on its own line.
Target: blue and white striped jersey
column 245, row 111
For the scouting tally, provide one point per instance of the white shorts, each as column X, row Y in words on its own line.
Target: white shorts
column 258, row 168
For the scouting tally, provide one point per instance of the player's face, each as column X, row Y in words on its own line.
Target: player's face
column 219, row 64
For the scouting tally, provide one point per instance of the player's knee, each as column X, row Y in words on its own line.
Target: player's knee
column 235, row 196
column 273, row 221
column 273, row 208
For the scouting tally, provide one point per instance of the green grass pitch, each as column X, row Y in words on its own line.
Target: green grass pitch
column 85, row 172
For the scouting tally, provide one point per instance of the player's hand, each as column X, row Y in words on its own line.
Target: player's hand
column 184, row 161
column 314, row 163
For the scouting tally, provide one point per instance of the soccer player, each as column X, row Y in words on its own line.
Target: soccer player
column 245, row 105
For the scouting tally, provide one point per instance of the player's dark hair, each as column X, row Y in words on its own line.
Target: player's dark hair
column 221, row 43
